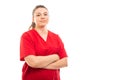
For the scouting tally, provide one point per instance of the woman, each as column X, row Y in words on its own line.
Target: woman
column 42, row 50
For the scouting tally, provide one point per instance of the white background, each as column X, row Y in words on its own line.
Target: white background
column 90, row 30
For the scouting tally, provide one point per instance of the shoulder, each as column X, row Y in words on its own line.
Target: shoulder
column 53, row 34
column 27, row 33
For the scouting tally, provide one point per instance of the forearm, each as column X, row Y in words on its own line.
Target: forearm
column 41, row 61
column 58, row 64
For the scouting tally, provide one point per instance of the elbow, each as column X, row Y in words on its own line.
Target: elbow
column 35, row 64
column 32, row 63
column 30, row 60
column 66, row 64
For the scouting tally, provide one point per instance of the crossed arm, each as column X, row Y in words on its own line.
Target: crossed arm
column 47, row 62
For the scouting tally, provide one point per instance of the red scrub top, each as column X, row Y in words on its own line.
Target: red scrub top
column 33, row 44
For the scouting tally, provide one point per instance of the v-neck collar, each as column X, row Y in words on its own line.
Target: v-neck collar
column 40, row 35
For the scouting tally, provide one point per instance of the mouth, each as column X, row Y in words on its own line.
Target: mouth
column 43, row 21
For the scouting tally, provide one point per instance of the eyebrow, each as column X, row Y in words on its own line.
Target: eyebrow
column 40, row 12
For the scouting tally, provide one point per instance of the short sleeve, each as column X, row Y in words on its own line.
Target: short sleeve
column 26, row 46
column 62, row 52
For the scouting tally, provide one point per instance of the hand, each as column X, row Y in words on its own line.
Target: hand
column 56, row 56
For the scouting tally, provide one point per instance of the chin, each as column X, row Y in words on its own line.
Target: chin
column 42, row 25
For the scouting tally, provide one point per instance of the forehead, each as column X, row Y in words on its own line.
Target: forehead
column 41, row 10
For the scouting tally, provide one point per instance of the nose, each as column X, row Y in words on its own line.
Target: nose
column 42, row 16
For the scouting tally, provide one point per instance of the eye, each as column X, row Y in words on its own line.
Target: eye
column 38, row 15
column 45, row 14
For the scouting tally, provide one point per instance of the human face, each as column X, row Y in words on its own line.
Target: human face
column 40, row 17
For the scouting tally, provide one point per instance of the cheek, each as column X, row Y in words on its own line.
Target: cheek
column 36, row 20
column 47, row 19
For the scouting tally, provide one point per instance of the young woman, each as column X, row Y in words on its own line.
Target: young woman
column 42, row 50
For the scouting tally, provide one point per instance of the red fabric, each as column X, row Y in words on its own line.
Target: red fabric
column 33, row 44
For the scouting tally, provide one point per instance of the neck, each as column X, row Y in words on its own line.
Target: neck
column 41, row 30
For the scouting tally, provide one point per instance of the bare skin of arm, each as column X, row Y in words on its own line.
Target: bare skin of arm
column 58, row 64
column 40, row 61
